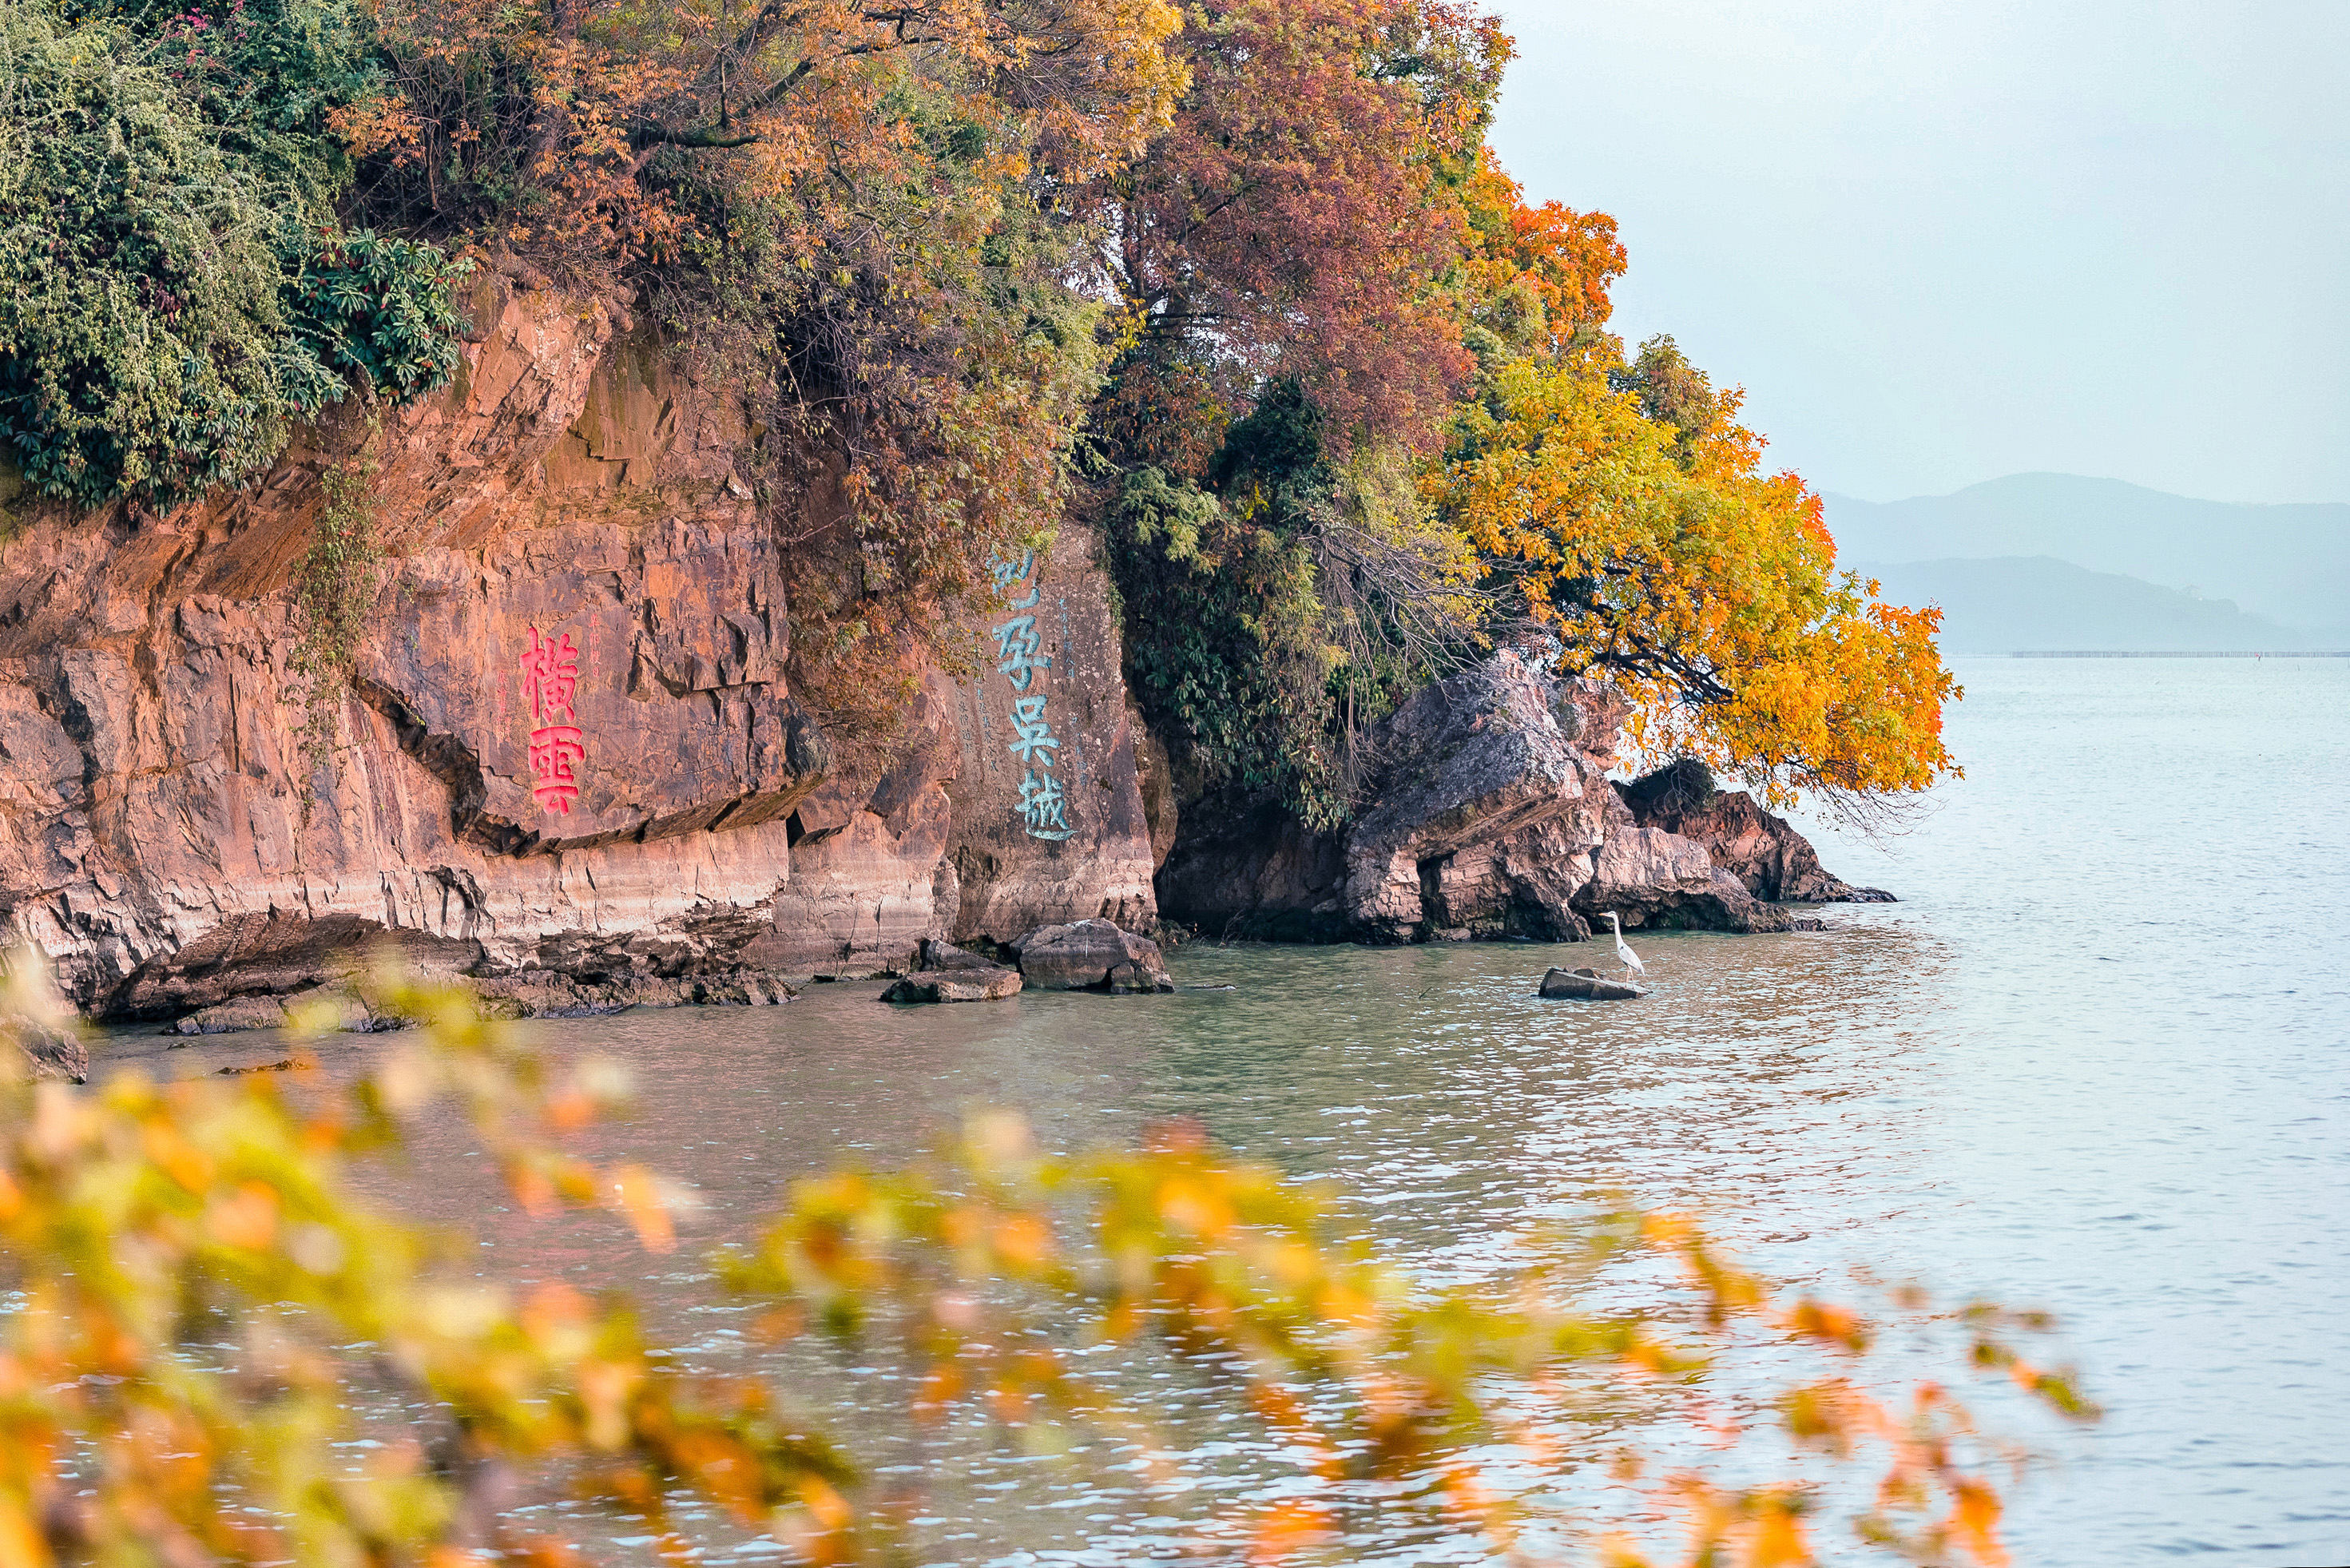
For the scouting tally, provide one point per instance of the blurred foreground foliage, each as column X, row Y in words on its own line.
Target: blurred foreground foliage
column 198, row 1299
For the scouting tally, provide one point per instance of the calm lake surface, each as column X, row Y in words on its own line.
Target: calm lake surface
column 2097, row 1061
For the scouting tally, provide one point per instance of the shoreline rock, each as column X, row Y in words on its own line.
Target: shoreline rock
column 947, row 973
column 45, row 1050
column 1092, row 955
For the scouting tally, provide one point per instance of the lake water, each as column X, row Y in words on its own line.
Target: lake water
column 2095, row 1062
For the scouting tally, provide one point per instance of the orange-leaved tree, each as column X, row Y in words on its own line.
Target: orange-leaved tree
column 1536, row 279
column 200, row 1305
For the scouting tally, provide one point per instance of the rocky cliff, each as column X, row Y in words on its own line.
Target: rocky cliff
column 1491, row 815
column 566, row 746
column 566, row 760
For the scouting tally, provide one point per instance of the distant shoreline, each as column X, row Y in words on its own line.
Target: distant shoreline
column 2277, row 655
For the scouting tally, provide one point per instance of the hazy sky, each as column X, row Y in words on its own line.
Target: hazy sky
column 1942, row 242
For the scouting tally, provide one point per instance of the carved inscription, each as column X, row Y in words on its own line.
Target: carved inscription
column 550, row 681
column 1043, row 808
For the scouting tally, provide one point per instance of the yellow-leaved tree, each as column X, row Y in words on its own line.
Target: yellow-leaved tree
column 199, row 1303
column 1632, row 510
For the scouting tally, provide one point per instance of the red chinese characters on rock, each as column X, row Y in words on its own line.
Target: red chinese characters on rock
column 550, row 679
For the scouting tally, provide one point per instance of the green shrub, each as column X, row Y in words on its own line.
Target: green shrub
column 172, row 291
column 357, row 305
column 1226, row 643
column 141, row 347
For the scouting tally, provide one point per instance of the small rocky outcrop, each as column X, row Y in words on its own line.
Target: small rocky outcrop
column 1488, row 815
column 1092, row 955
column 1586, row 985
column 1767, row 855
column 1486, row 804
column 950, row 974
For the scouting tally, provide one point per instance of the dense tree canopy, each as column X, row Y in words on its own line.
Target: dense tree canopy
column 1238, row 282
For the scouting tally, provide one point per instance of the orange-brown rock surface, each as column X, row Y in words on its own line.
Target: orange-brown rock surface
column 647, row 800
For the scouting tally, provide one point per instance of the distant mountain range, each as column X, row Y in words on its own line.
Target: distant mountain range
column 2036, row 603
column 2050, row 561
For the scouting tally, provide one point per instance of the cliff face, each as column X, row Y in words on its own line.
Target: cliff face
column 567, row 744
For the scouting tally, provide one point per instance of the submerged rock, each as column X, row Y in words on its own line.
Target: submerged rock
column 1092, row 955
column 539, row 993
column 234, row 1016
column 1586, row 985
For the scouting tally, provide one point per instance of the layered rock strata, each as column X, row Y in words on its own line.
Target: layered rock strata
column 565, row 755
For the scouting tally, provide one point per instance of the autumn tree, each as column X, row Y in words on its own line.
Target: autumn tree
column 1291, row 221
column 200, row 1305
column 1665, row 559
column 1282, row 252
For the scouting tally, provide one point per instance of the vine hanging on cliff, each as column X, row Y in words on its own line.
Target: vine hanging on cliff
column 333, row 590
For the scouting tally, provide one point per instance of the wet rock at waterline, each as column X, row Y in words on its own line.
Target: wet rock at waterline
column 1586, row 985
column 950, row 974
column 954, row 985
column 1768, row 857
column 549, row 995
column 236, row 1016
column 1092, row 955
column 44, row 1050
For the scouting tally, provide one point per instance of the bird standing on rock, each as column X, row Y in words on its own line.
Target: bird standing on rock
column 1632, row 964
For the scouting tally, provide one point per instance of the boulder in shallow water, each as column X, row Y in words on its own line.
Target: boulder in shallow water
column 234, row 1016
column 987, row 982
column 1586, row 985
column 1092, row 955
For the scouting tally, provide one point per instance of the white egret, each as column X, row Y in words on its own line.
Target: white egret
column 1632, row 964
